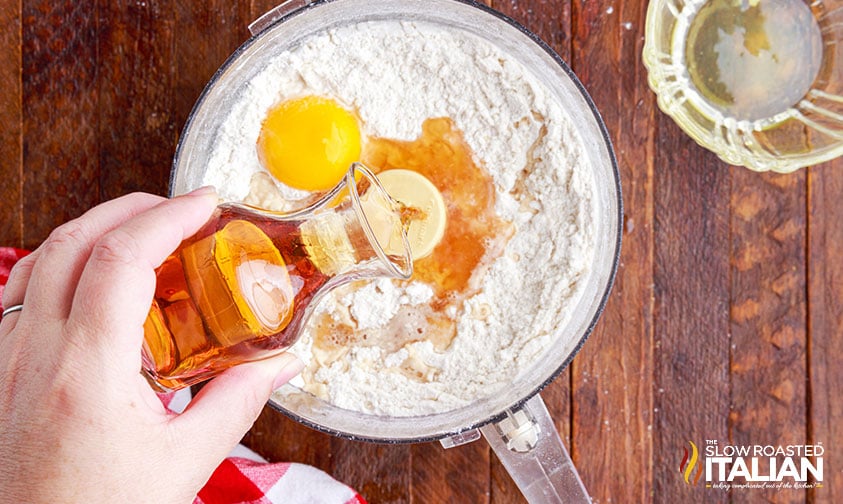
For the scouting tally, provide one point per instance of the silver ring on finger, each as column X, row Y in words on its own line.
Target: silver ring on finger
column 11, row 309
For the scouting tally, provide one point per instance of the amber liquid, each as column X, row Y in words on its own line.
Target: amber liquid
column 442, row 155
column 473, row 232
column 227, row 295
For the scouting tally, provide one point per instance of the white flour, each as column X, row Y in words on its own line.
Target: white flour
column 394, row 76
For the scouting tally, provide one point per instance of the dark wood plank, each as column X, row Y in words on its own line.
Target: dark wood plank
column 380, row 473
column 11, row 140
column 458, row 474
column 691, row 323
column 825, row 322
column 551, row 21
column 136, row 127
column 279, row 439
column 557, row 398
column 207, row 33
column 768, row 316
column 612, row 424
column 259, row 7
column 60, row 151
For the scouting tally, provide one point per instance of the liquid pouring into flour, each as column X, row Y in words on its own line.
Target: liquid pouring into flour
column 535, row 231
column 473, row 236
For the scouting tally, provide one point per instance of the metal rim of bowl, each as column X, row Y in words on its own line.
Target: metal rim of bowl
column 607, row 142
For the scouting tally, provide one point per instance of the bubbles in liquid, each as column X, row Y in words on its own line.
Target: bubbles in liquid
column 753, row 59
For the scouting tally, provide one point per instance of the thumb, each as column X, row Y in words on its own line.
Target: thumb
column 221, row 413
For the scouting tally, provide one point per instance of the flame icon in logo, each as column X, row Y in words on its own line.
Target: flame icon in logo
column 686, row 467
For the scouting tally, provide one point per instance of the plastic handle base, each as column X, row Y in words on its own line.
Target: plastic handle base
column 527, row 444
column 460, row 439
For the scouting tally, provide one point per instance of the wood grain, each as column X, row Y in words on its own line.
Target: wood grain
column 136, row 127
column 279, row 439
column 768, row 316
column 550, row 20
column 259, row 7
column 613, row 376
column 208, row 32
column 60, row 144
column 11, row 134
column 825, row 322
column 381, row 473
column 725, row 322
column 691, row 322
column 459, row 474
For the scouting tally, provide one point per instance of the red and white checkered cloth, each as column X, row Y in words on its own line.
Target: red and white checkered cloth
column 244, row 476
column 8, row 257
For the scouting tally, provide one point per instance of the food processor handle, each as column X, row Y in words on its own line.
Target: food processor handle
column 527, row 444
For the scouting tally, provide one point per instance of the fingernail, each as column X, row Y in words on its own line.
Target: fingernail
column 203, row 191
column 290, row 367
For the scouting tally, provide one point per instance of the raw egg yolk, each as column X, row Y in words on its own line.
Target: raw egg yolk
column 309, row 143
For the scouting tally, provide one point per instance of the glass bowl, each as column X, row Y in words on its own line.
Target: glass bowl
column 795, row 113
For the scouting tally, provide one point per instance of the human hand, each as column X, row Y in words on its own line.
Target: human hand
column 78, row 423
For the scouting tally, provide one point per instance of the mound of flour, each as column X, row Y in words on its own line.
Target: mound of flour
column 395, row 75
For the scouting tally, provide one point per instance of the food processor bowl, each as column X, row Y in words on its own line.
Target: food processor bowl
column 514, row 420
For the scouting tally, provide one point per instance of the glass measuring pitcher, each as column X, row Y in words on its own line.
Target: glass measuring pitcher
column 242, row 288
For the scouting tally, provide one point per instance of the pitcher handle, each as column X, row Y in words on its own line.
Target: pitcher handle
column 527, row 444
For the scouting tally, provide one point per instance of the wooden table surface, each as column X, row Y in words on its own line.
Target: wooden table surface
column 725, row 321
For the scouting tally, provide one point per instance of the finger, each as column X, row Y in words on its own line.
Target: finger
column 116, row 287
column 64, row 253
column 224, row 410
column 6, row 322
column 15, row 288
